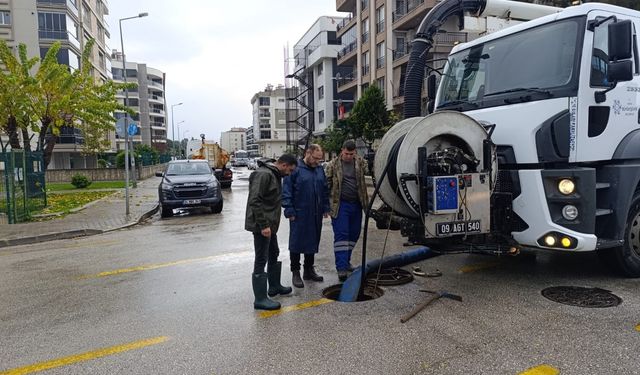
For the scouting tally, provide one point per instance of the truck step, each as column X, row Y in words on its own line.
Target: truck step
column 603, row 211
column 602, row 185
column 605, row 243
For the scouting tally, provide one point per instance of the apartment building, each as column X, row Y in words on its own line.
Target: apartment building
column 147, row 100
column 40, row 23
column 270, row 121
column 311, row 81
column 376, row 41
column 234, row 139
column 252, row 146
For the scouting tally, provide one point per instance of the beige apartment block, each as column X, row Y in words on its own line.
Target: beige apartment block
column 234, row 139
column 376, row 43
column 40, row 23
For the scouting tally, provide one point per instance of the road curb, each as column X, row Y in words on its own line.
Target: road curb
column 73, row 233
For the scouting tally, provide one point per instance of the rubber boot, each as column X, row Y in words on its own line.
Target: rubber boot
column 275, row 287
column 262, row 302
column 310, row 274
column 296, row 279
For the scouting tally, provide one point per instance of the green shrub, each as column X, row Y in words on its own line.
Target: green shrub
column 80, row 181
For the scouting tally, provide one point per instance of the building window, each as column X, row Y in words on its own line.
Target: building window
column 321, row 92
column 380, row 19
column 365, row 30
column 52, row 26
column 365, row 63
column 264, row 100
column 380, row 83
column 86, row 15
column 320, row 69
column 380, row 51
column 320, row 117
column 5, row 18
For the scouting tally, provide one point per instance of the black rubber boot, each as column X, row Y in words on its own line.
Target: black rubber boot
column 275, row 287
column 296, row 280
column 262, row 302
column 310, row 274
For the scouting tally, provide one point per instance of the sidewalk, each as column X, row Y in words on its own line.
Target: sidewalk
column 97, row 217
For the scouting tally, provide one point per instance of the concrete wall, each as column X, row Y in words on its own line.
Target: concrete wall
column 102, row 174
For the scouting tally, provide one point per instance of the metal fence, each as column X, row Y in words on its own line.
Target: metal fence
column 22, row 185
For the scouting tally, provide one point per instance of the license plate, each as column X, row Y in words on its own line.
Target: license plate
column 192, row 201
column 457, row 227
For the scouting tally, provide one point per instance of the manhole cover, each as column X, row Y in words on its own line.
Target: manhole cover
column 581, row 297
column 391, row 276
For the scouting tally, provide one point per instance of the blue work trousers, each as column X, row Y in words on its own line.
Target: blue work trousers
column 346, row 231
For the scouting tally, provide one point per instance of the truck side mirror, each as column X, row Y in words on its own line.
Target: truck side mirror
column 620, row 71
column 620, row 34
column 159, row 174
column 431, row 87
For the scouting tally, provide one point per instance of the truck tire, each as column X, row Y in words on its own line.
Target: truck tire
column 626, row 258
column 216, row 208
column 166, row 211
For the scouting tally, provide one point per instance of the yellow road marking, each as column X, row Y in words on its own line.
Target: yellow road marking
column 477, row 267
column 300, row 306
column 92, row 244
column 163, row 265
column 638, row 328
column 84, row 356
column 541, row 370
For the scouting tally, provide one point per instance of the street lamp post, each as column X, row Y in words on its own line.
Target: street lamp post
column 173, row 131
column 179, row 139
column 126, row 114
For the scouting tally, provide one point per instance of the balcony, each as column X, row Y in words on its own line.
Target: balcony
column 443, row 42
column 157, row 125
column 156, row 98
column 155, row 84
column 380, row 61
column 380, row 27
column 344, row 23
column 59, row 35
column 347, row 82
column 70, row 4
column 410, row 16
column 401, row 51
column 156, row 111
column 346, row 5
column 347, row 53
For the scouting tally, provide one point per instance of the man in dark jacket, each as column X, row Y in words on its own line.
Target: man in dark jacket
column 263, row 219
column 305, row 199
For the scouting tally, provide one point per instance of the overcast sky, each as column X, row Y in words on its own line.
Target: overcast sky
column 216, row 53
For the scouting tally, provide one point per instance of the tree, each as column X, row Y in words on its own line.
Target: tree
column 53, row 98
column 335, row 135
column 370, row 118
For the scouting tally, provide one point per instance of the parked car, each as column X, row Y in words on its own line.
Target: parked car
column 253, row 163
column 188, row 183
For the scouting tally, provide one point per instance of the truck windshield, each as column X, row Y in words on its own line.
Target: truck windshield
column 533, row 64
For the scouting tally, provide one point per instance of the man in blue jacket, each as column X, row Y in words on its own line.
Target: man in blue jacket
column 305, row 198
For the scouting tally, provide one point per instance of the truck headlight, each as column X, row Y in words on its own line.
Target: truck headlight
column 166, row 186
column 566, row 186
column 570, row 212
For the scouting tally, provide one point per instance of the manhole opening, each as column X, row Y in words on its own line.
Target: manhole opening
column 582, row 297
column 370, row 293
column 391, row 276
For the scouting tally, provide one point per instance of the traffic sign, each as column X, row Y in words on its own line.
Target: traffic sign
column 120, row 127
column 132, row 129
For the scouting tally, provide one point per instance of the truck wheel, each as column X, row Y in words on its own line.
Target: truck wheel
column 166, row 211
column 627, row 257
column 216, row 208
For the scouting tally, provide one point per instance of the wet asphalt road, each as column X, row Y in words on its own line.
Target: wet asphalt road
column 173, row 296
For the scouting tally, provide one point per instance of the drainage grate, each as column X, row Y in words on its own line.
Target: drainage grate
column 391, row 276
column 581, row 297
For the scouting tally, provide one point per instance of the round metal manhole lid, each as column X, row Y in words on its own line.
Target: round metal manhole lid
column 390, row 276
column 581, row 297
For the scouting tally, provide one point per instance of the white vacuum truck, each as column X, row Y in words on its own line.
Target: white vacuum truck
column 535, row 137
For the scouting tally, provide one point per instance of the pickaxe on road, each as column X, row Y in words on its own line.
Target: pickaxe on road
column 436, row 295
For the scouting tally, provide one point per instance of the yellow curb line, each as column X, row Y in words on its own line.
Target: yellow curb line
column 64, row 361
column 300, row 306
column 160, row 265
column 541, row 370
